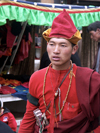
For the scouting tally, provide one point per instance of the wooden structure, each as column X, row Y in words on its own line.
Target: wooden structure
column 42, row 15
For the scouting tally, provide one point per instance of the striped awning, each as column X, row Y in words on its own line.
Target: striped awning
column 43, row 14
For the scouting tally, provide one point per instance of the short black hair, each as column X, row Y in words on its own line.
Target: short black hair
column 93, row 26
column 73, row 44
column 0, row 104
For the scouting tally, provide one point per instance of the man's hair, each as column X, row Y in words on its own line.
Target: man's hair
column 93, row 26
column 73, row 44
column 0, row 104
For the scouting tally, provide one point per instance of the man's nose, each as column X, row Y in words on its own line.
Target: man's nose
column 57, row 50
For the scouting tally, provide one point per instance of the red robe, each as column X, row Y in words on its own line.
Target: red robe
column 88, row 93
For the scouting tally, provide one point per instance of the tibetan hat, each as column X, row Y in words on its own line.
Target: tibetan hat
column 63, row 27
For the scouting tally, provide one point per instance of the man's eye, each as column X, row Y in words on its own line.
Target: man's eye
column 63, row 45
column 51, row 44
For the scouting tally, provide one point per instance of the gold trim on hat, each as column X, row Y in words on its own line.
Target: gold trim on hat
column 74, row 39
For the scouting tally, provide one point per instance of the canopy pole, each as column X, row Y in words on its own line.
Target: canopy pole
column 7, row 58
column 18, row 43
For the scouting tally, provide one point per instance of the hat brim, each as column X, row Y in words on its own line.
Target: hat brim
column 74, row 39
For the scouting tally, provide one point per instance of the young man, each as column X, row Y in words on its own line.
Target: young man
column 7, row 117
column 63, row 98
column 94, row 30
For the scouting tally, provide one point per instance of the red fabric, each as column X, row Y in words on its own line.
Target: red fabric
column 27, row 125
column 10, row 37
column 67, row 114
column 89, row 95
column 12, row 82
column 9, row 82
column 97, row 130
column 79, row 123
column 7, row 90
column 74, row 125
column 63, row 26
column 26, row 49
column 25, row 84
column 2, row 80
column 5, row 52
column 9, row 119
column 30, row 38
column 23, row 51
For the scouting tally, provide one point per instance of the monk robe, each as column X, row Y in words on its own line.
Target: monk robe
column 82, row 107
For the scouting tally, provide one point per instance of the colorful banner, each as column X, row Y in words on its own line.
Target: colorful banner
column 43, row 14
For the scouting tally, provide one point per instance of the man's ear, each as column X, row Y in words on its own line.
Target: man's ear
column 75, row 48
column 98, row 30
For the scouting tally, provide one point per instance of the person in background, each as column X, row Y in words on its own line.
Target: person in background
column 94, row 31
column 63, row 97
column 8, row 118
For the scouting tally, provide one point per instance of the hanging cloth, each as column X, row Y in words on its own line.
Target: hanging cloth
column 10, row 37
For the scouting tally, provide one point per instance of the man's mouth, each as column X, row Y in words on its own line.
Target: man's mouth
column 56, row 58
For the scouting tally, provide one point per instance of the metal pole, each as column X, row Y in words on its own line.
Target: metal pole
column 18, row 43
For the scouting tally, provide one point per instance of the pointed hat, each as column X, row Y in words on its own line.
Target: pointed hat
column 63, row 27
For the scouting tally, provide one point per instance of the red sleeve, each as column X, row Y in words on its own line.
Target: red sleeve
column 12, row 122
column 97, row 130
column 28, row 122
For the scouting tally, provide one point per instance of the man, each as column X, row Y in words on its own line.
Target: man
column 94, row 30
column 63, row 98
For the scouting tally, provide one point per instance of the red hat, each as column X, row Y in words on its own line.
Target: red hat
column 63, row 27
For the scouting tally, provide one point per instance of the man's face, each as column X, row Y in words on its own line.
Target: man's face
column 59, row 51
column 95, row 35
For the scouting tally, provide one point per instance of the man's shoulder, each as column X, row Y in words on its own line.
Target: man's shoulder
column 86, row 73
column 36, row 81
column 39, row 73
column 83, row 73
column 84, row 70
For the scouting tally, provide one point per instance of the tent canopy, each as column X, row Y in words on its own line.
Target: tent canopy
column 43, row 14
